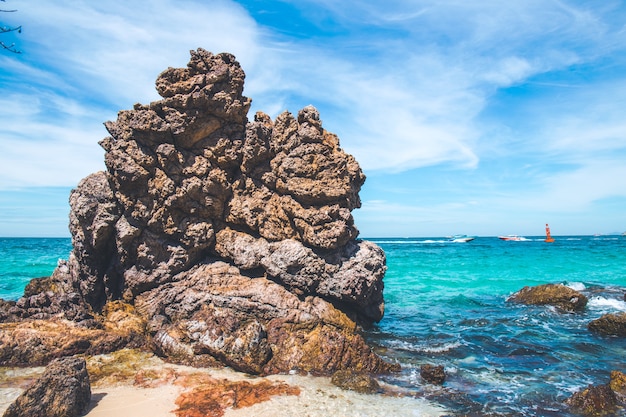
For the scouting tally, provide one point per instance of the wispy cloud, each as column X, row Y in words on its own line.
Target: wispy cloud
column 522, row 97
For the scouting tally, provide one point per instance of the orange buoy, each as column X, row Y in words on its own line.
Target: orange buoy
column 549, row 238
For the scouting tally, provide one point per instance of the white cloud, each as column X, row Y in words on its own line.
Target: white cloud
column 405, row 84
column 83, row 62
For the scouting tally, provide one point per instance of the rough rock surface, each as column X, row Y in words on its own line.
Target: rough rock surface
column 601, row 400
column 434, row 374
column 355, row 381
column 618, row 385
column 233, row 239
column 613, row 324
column 558, row 295
column 37, row 341
column 62, row 391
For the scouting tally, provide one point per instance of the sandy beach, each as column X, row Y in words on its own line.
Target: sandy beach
column 149, row 387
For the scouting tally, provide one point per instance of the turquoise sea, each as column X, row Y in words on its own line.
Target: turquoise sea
column 446, row 303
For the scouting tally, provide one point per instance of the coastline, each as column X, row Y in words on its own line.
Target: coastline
column 150, row 387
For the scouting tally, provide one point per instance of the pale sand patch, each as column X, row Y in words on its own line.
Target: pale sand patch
column 133, row 401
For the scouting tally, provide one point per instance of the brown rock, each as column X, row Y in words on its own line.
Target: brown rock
column 618, row 385
column 36, row 342
column 560, row 296
column 252, row 324
column 434, row 374
column 355, row 381
column 613, row 324
column 62, row 391
column 594, row 401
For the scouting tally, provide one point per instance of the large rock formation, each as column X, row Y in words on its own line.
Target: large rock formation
column 234, row 240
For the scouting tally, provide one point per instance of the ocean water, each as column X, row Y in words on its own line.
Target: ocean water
column 446, row 304
column 22, row 259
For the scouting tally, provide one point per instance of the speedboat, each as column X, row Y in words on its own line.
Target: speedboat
column 460, row 238
column 513, row 238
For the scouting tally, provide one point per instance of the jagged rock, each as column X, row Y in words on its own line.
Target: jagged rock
column 355, row 381
column 234, row 239
column 37, row 342
column 594, row 401
column 434, row 374
column 618, row 385
column 47, row 298
column 613, row 324
column 62, row 391
column 601, row 400
column 558, row 295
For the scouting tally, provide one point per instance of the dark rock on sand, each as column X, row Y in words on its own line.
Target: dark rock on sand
column 613, row 324
column 234, row 240
column 355, row 381
column 62, row 391
column 557, row 295
column 434, row 374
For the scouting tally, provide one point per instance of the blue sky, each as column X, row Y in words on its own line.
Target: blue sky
column 482, row 118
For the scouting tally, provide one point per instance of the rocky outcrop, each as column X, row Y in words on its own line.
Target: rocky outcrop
column 601, row 400
column 557, row 295
column 62, row 391
column 234, row 240
column 613, row 324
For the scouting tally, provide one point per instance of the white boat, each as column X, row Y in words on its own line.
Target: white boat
column 460, row 238
column 513, row 238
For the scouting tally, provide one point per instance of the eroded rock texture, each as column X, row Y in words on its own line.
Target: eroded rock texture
column 62, row 391
column 564, row 298
column 233, row 239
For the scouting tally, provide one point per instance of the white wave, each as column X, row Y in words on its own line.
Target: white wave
column 578, row 286
column 411, row 347
column 606, row 304
column 440, row 349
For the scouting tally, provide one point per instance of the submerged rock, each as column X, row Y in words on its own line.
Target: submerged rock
column 234, row 240
column 557, row 295
column 434, row 374
column 62, row 391
column 613, row 324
